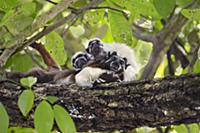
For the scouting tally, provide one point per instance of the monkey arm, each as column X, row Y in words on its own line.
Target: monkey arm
column 48, row 59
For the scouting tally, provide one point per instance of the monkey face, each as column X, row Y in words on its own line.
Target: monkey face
column 79, row 60
column 115, row 63
column 95, row 47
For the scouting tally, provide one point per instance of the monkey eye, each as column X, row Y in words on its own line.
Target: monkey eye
column 122, row 62
column 80, row 62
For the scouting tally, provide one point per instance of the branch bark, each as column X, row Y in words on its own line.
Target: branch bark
column 154, row 103
column 163, row 41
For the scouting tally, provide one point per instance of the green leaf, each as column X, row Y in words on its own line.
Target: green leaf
column 51, row 99
column 21, row 130
column 28, row 8
column 63, row 120
column 120, row 28
column 183, row 2
column 140, row 8
column 28, row 81
column 164, row 7
column 19, row 20
column 19, row 23
column 43, row 118
column 6, row 5
column 193, row 128
column 180, row 129
column 7, row 17
column 77, row 31
column 143, row 51
column 4, row 119
column 21, row 62
column 193, row 14
column 94, row 17
column 80, row 3
column 55, row 46
column 196, row 68
column 25, row 101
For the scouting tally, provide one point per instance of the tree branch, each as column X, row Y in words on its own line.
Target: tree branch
column 45, row 17
column 154, row 103
column 164, row 40
column 22, row 42
column 140, row 34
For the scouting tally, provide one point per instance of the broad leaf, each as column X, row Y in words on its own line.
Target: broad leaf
column 63, row 120
column 25, row 101
column 6, row 5
column 55, row 45
column 21, row 130
column 77, row 31
column 28, row 82
column 20, row 19
column 4, row 119
column 120, row 28
column 139, row 8
column 196, row 67
column 94, row 17
column 164, row 7
column 29, row 8
column 180, row 129
column 51, row 99
column 193, row 14
column 183, row 2
column 43, row 118
column 193, row 128
column 21, row 62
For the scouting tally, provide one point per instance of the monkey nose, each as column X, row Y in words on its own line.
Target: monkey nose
column 81, row 63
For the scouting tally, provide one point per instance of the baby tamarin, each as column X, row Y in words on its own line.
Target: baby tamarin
column 98, row 63
column 105, row 65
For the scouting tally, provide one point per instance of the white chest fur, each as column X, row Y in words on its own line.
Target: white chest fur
column 87, row 76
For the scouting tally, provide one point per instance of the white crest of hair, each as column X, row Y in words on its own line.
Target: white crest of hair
column 130, row 74
column 87, row 76
column 124, row 51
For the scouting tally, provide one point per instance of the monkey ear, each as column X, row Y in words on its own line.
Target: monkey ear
column 114, row 53
column 87, row 50
column 109, row 53
column 125, row 60
column 127, row 65
column 107, row 56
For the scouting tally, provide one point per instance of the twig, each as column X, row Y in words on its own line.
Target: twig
column 102, row 7
column 22, row 43
column 70, row 17
column 111, row 8
column 44, row 18
column 141, row 34
column 52, row 2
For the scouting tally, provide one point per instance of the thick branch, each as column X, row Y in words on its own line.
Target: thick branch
column 164, row 40
column 162, row 102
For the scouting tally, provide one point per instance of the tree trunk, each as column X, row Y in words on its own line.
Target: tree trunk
column 154, row 103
